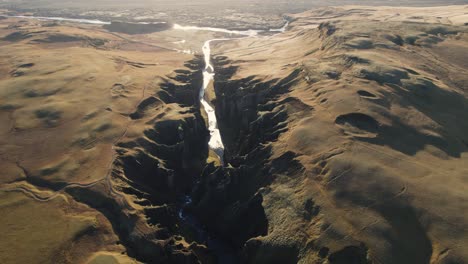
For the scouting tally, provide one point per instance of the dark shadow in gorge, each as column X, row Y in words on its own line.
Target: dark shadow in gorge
column 162, row 165
column 250, row 116
column 238, row 107
column 154, row 170
column 123, row 224
column 164, row 162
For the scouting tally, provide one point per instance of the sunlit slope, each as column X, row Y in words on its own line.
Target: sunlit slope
column 66, row 96
column 371, row 159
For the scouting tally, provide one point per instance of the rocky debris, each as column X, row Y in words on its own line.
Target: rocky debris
column 228, row 200
column 150, row 174
column 340, row 157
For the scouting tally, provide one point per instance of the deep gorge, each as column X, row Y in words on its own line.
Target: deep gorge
column 168, row 162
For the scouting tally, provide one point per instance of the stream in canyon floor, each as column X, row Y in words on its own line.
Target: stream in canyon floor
column 216, row 142
column 224, row 252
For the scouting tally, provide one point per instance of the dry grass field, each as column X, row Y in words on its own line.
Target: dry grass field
column 375, row 122
column 345, row 141
column 67, row 92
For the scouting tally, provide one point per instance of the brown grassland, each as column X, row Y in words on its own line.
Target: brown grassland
column 346, row 142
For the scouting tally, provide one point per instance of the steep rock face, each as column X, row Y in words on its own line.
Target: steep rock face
column 344, row 144
column 252, row 115
column 167, row 158
column 351, row 159
column 247, row 106
column 153, row 169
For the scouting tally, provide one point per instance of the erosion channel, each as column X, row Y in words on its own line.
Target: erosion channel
column 226, row 251
column 200, row 198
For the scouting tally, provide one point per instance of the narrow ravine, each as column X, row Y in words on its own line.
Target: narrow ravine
column 224, row 252
column 220, row 247
column 215, row 143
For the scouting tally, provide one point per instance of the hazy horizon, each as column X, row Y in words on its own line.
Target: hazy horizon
column 95, row 4
column 234, row 132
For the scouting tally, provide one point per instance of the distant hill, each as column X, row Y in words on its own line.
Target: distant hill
column 287, row 6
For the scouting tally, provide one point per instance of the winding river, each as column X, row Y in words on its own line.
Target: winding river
column 215, row 143
column 224, row 252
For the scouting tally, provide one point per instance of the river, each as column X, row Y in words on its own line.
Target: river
column 215, row 143
column 225, row 253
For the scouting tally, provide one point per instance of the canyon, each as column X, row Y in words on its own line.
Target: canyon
column 339, row 138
